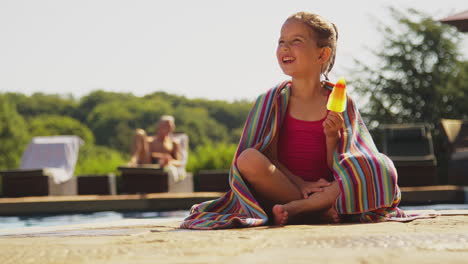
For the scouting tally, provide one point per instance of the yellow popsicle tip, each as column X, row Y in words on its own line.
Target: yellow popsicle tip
column 341, row 82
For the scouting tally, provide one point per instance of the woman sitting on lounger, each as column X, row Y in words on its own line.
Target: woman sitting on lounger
column 158, row 149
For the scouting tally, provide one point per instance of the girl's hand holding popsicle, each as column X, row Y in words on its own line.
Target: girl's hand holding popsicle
column 336, row 104
column 332, row 125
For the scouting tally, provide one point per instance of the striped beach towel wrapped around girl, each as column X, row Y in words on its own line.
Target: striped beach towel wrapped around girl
column 367, row 178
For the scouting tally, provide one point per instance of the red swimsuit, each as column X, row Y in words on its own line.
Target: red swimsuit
column 302, row 148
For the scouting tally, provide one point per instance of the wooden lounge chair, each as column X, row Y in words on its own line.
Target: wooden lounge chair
column 47, row 168
column 103, row 184
column 212, row 181
column 410, row 148
column 456, row 132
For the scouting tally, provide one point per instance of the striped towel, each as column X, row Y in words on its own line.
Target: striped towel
column 367, row 178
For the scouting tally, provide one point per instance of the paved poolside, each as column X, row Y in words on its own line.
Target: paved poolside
column 443, row 239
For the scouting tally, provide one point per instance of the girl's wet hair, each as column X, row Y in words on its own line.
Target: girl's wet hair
column 326, row 32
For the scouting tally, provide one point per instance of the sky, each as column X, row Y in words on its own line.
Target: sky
column 212, row 49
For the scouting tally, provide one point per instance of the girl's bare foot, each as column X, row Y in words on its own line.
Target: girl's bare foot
column 330, row 216
column 280, row 214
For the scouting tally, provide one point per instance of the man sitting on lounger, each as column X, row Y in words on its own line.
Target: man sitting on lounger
column 159, row 149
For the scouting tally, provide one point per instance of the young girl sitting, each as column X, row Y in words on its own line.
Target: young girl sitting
column 296, row 160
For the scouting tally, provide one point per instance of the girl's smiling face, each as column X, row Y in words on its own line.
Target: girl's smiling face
column 297, row 53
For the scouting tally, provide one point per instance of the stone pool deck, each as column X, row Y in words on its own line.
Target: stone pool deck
column 443, row 239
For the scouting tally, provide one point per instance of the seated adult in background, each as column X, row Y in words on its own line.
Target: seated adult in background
column 159, row 149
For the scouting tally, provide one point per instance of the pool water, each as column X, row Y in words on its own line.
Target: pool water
column 7, row 222
column 71, row 219
column 437, row 207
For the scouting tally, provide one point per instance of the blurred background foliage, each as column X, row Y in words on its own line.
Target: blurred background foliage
column 420, row 76
column 106, row 121
column 211, row 156
column 14, row 134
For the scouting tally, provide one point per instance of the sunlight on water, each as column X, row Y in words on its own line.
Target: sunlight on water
column 436, row 207
column 7, row 222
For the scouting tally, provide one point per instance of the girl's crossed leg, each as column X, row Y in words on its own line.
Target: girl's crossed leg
column 317, row 202
column 272, row 186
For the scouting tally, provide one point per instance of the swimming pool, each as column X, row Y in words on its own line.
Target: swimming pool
column 436, row 207
column 71, row 219
column 7, row 222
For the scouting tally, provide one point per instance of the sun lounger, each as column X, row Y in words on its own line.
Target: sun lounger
column 104, row 184
column 47, row 168
column 456, row 132
column 212, row 181
column 410, row 148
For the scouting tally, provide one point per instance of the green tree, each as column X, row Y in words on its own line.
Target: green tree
column 230, row 115
column 211, row 156
column 96, row 98
column 421, row 77
column 42, row 104
column 174, row 100
column 109, row 119
column 52, row 125
column 114, row 123
column 94, row 159
column 200, row 127
column 13, row 134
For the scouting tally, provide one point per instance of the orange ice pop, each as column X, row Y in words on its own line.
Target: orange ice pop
column 337, row 99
